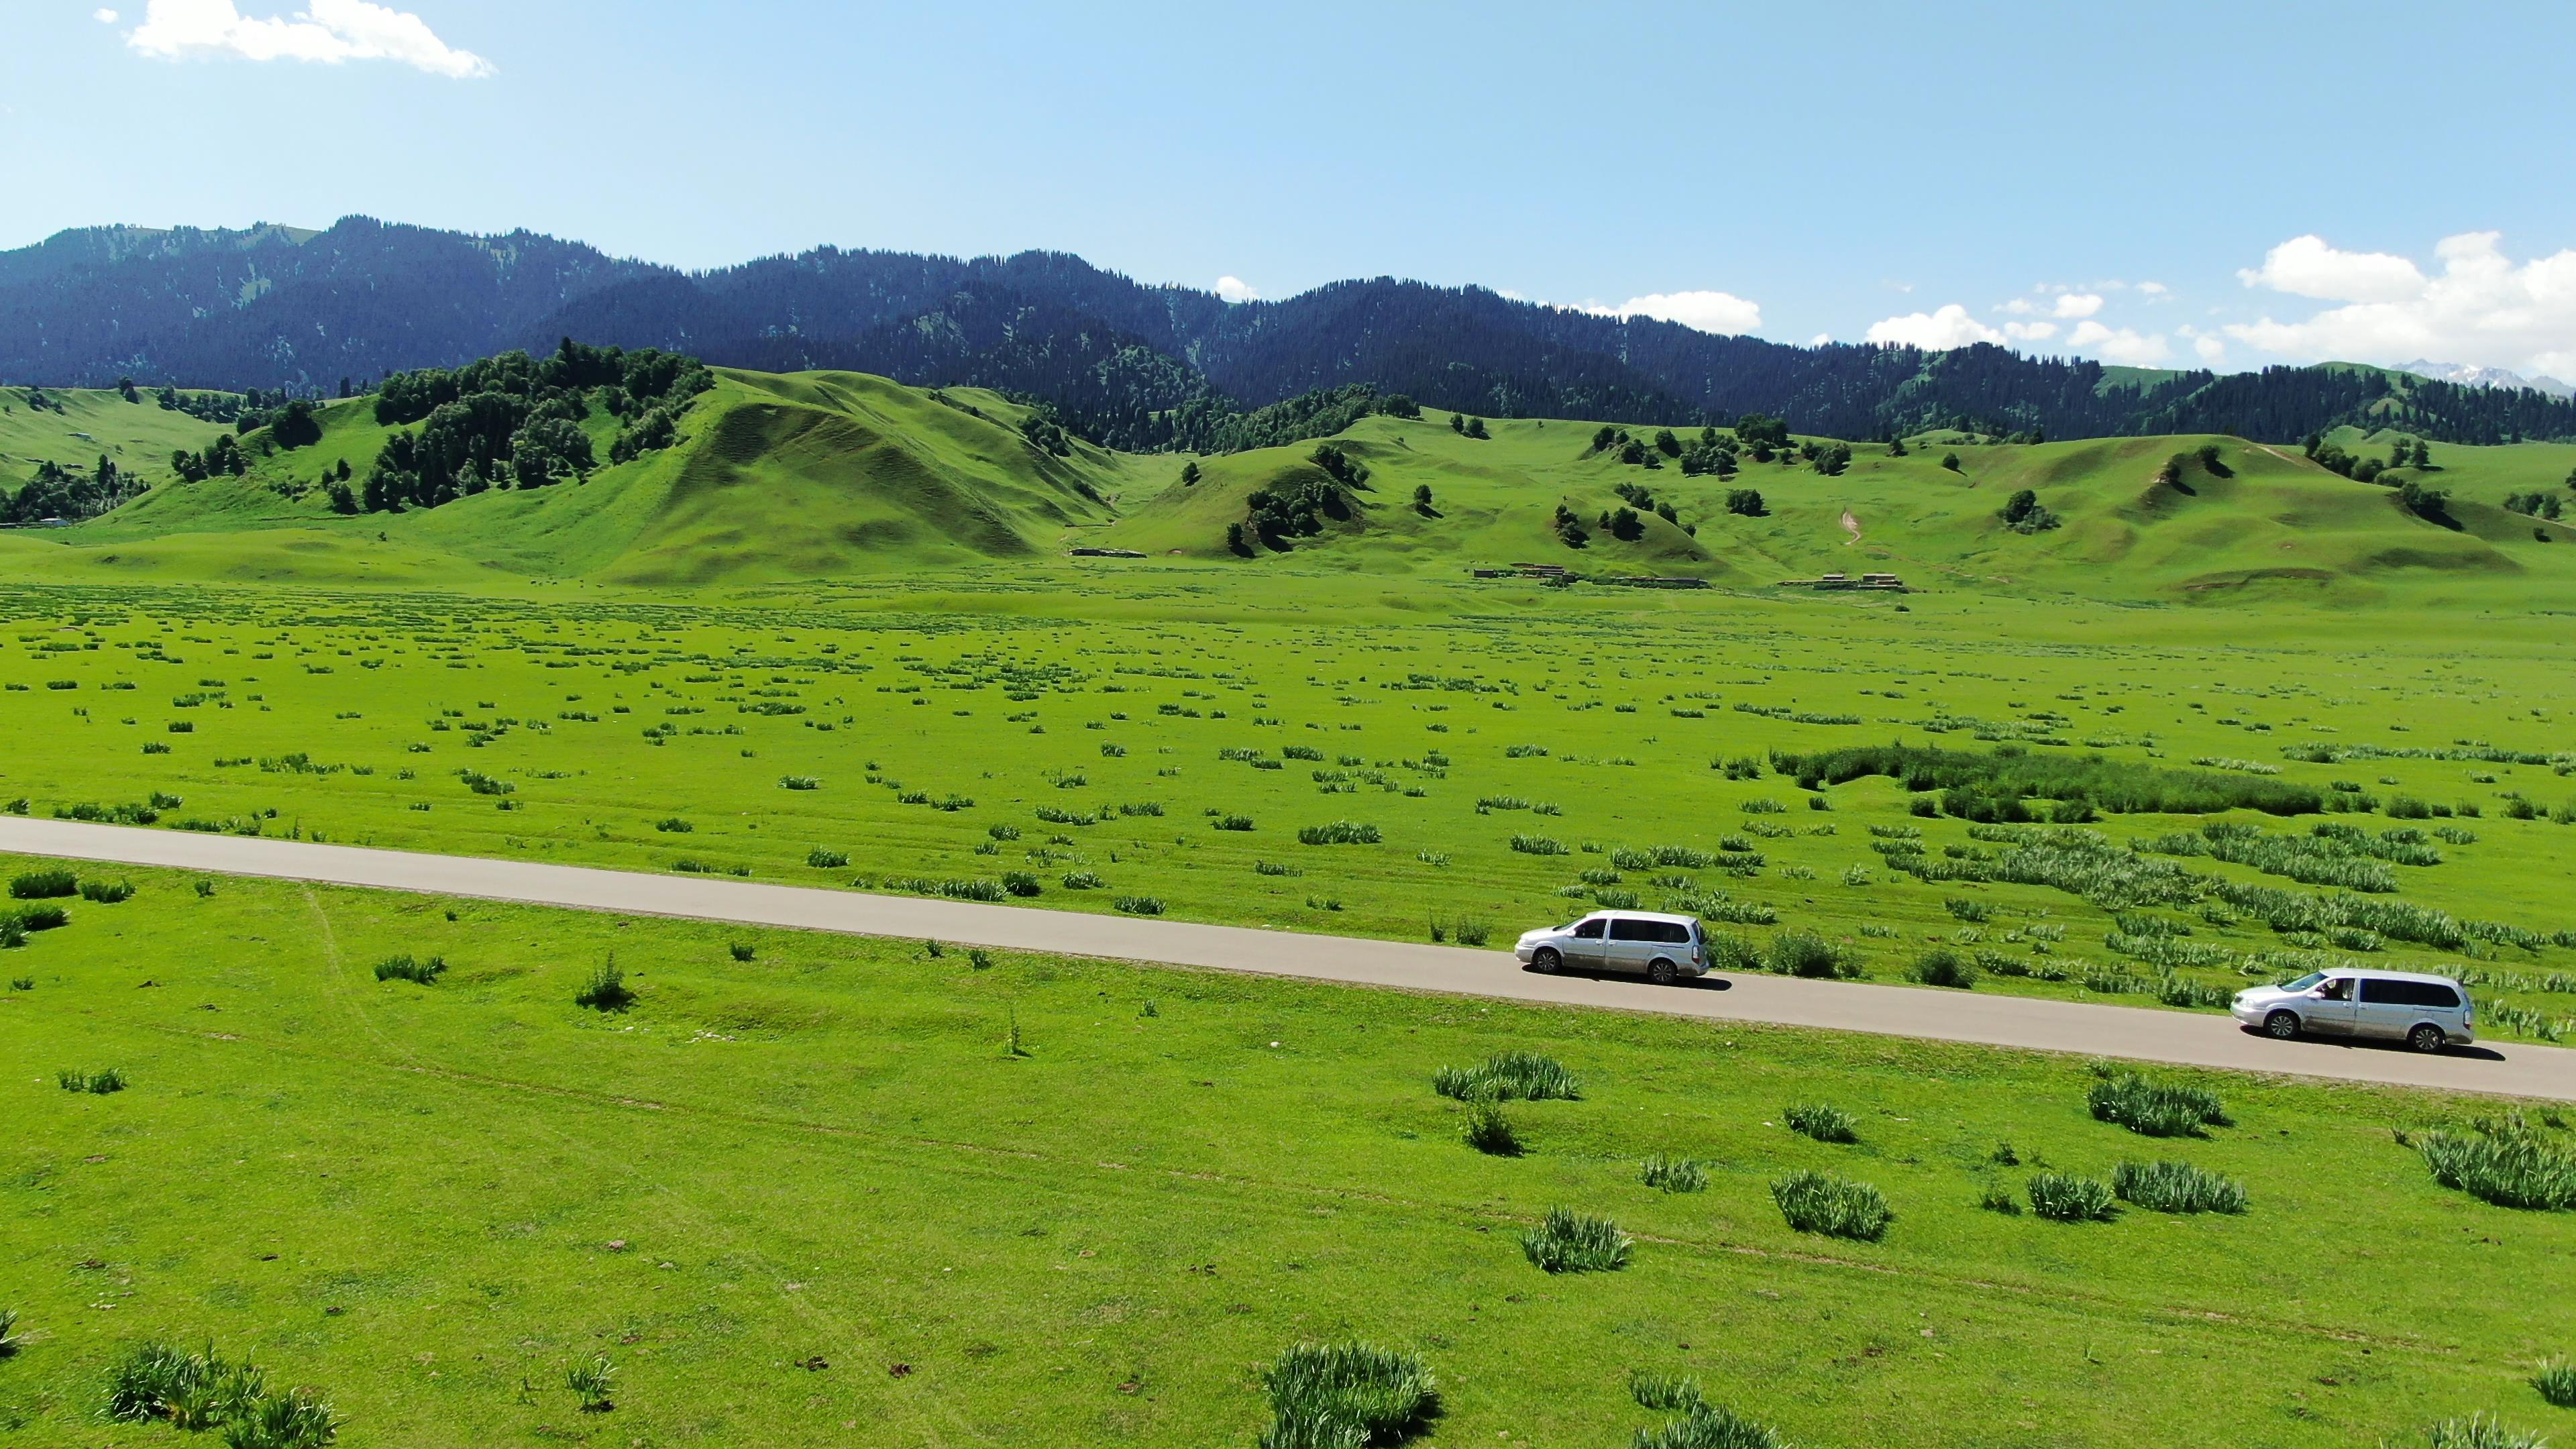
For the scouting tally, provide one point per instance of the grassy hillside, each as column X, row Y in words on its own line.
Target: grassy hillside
column 2274, row 521
column 137, row 437
column 817, row 475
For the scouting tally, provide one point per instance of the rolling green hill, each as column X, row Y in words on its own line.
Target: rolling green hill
column 786, row 477
column 137, row 437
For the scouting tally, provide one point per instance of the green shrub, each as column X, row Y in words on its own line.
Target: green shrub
column 294, row 1419
column 98, row 1083
column 1571, row 1242
column 1804, row 953
column 1823, row 1123
column 799, row 782
column 1665, row 1393
column 1489, row 1131
column 1020, row 883
column 2065, row 1198
column 591, row 1381
column 1471, row 932
column 1510, row 1076
column 822, row 858
column 13, row 932
column 1964, row 908
column 11, row 1340
column 1539, row 845
column 1234, row 822
column 107, row 893
column 2481, row 1431
column 2510, row 1167
column 1991, row 786
column 1139, row 905
column 41, row 918
column 1710, row 1427
column 605, row 990
column 40, row 885
column 1672, row 1174
column 970, row 889
column 1941, row 966
column 1816, row 1202
column 673, row 825
column 2177, row 1187
column 407, row 968
column 1081, row 880
column 2556, row 1380
column 742, row 950
column 1339, row 832
column 1327, row 1396
column 2156, row 1109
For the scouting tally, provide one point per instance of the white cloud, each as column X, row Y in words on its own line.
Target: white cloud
column 2153, row 289
column 329, row 32
column 2305, row 266
column 2120, row 344
column 2211, row 349
column 1236, row 289
column 2077, row 304
column 103, row 17
column 1820, row 339
column 1720, row 312
column 2030, row 331
column 2483, row 309
column 1936, row 331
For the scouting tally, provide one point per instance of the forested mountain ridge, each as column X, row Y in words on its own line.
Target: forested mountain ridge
column 1120, row 361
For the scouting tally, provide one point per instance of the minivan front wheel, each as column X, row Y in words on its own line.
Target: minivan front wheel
column 2282, row 1025
column 1545, row 961
column 1660, row 972
column 2426, row 1038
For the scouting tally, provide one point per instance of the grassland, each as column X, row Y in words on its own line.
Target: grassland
column 811, row 1193
column 91, row 424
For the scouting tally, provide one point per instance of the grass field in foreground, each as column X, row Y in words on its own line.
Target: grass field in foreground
column 1089, row 736
column 848, row 1215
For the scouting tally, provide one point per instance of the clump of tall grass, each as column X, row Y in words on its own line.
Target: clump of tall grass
column 11, row 1340
column 1964, row 908
column 1139, row 905
column 1804, row 953
column 605, row 989
column 824, row 858
column 2156, row 1109
column 37, row 918
column 2481, row 1431
column 1821, row 1122
column 1509, row 1077
column 1020, row 883
column 1672, row 1174
column 42, row 885
column 1539, row 845
column 424, row 972
column 2508, row 1164
column 1572, row 1242
column 971, row 889
column 1081, row 880
column 1347, row 1395
column 673, row 825
column 1711, row 1426
column 742, row 950
column 1665, row 1393
column 1941, row 966
column 2556, row 1381
column 107, row 893
column 1489, row 1131
column 2177, row 1187
column 98, row 1083
column 200, row 1391
column 1817, row 1202
column 591, row 1381
column 1339, row 832
column 2066, row 1198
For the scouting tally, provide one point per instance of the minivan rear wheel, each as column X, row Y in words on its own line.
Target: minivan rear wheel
column 1660, row 972
column 2426, row 1038
column 1544, row 961
column 2282, row 1025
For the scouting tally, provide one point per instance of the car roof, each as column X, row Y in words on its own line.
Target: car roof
column 2375, row 974
column 1647, row 916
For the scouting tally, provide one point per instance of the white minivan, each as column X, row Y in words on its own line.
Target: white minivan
column 2427, row 1013
column 1661, row 948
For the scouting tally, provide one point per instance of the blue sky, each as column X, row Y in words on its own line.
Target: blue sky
column 2240, row 183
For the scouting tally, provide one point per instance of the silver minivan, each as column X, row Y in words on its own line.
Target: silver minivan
column 2427, row 1013
column 1661, row 948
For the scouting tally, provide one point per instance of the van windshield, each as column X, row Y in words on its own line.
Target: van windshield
column 2304, row 982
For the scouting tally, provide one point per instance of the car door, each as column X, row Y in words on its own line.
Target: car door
column 2386, row 1008
column 1631, row 945
column 1583, row 944
column 2329, row 1008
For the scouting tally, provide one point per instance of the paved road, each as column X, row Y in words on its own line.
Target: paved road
column 2185, row 1038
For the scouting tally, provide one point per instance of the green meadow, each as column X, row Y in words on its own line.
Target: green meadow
column 806, row 1190
column 2233, row 718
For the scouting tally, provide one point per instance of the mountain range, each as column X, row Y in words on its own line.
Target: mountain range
column 1122, row 362
column 2486, row 377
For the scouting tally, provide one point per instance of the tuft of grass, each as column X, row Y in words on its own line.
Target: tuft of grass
column 673, row 825
column 1711, row 1426
column 1021, row 883
column 294, row 1419
column 409, row 968
column 1823, row 1123
column 1966, row 909
column 107, row 893
column 1804, row 953
column 201, row 1391
column 1332, row 1395
column 1139, row 905
column 11, row 1340
column 2481, row 1431
column 2556, row 1380
column 98, row 1083
column 1942, row 966
column 1081, row 880
column 2066, row 1198
column 605, row 990
column 41, row 885
column 1510, row 1076
column 1339, row 832
column 1998, row 1198
column 742, row 950
column 592, row 1381
column 822, row 858
column 2156, row 1109
column 1672, row 1174
column 2177, row 1187
column 1816, row 1202
column 1665, row 1393
column 1471, row 932
column 1572, row 1242
column 41, row 918
column 2509, row 1166
column 1489, row 1131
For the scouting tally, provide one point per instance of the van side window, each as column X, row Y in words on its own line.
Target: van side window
column 1588, row 930
column 2339, row 989
column 2390, row 993
column 1623, row 928
column 1673, row 932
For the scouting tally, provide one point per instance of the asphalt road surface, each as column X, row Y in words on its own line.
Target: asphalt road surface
column 2182, row 1038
